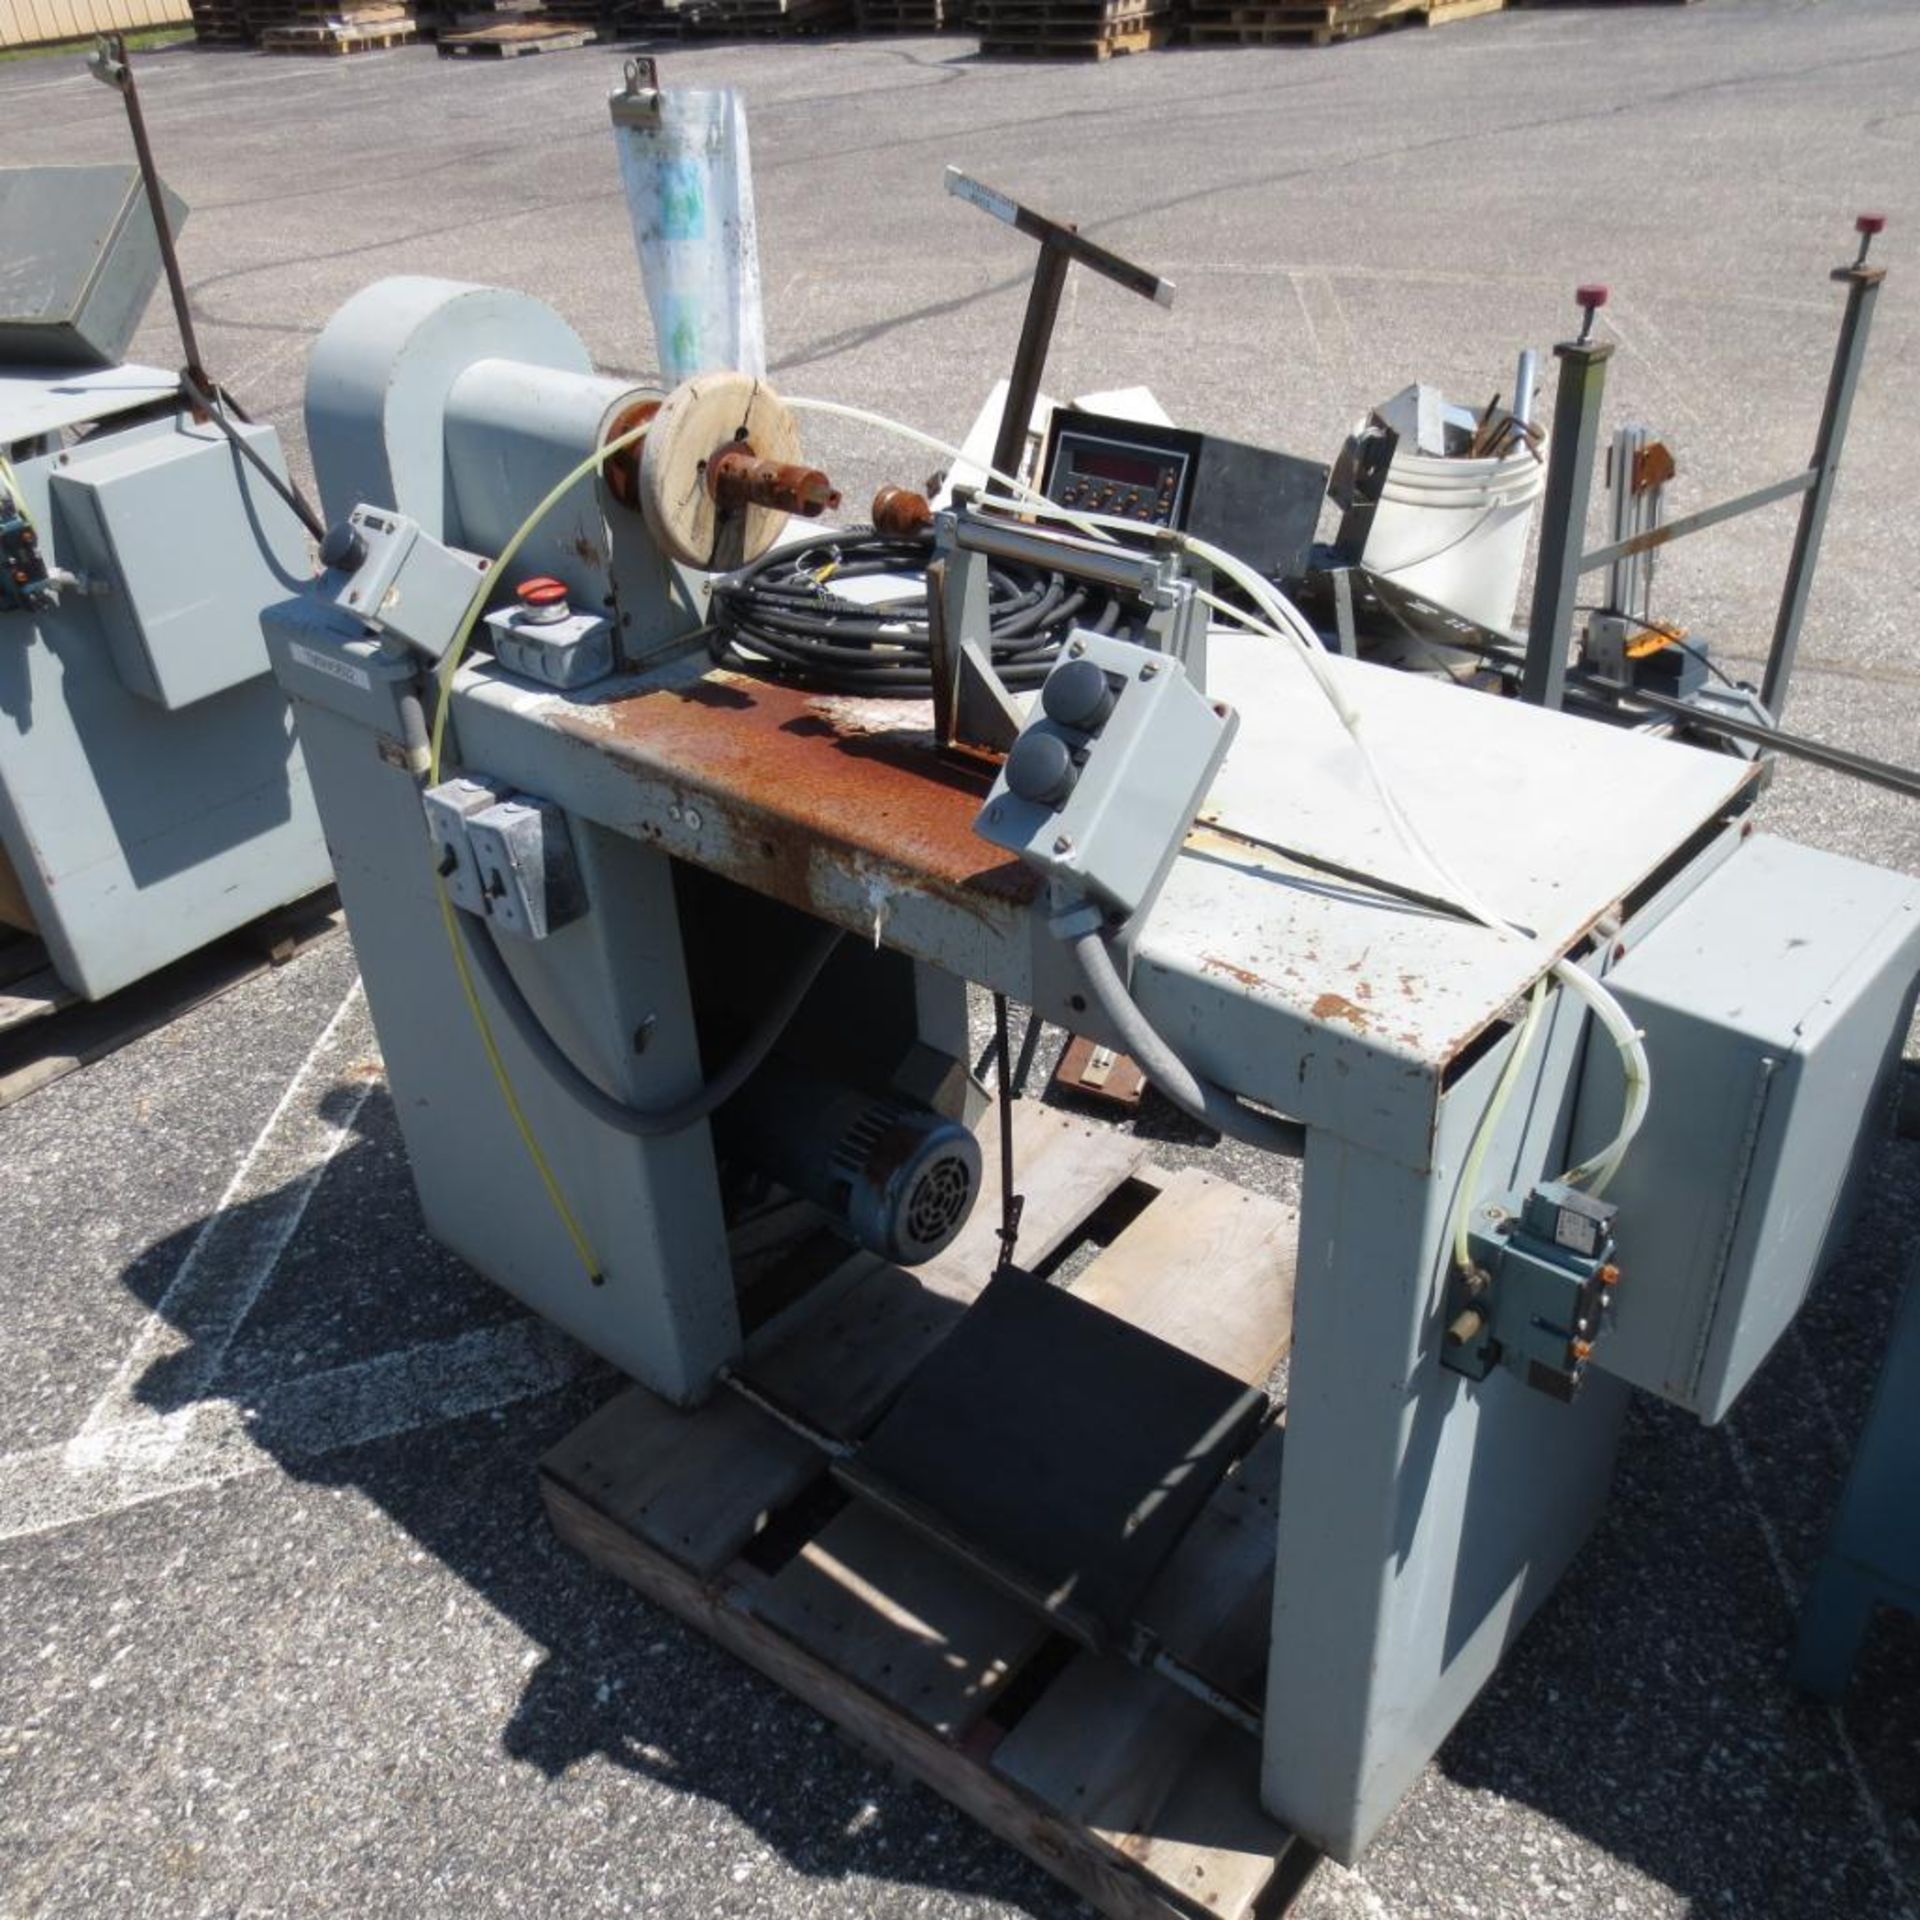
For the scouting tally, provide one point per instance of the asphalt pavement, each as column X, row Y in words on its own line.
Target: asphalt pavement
column 282, row 1629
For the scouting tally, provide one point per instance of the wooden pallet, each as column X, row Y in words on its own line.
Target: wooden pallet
column 760, row 19
column 47, row 1031
column 1132, row 1774
column 1315, row 23
column 329, row 39
column 1069, row 20
column 1057, row 42
column 513, row 38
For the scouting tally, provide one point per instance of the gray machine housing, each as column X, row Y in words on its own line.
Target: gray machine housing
column 1776, row 998
column 152, row 792
column 78, row 262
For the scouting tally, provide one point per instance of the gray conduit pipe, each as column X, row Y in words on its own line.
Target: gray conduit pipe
column 1212, row 1105
column 584, row 1091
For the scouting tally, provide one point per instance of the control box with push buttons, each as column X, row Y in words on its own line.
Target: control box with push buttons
column 1104, row 780
column 542, row 637
column 385, row 570
column 23, row 568
column 1135, row 470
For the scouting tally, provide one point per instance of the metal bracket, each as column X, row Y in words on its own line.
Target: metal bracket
column 637, row 104
column 1061, row 246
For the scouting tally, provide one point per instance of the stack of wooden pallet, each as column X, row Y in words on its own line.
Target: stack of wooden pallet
column 221, row 23
column 1088, row 29
column 331, row 26
column 502, row 29
column 911, row 16
column 1318, row 23
column 736, row 19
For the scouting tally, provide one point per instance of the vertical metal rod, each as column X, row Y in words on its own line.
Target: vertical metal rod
column 1526, row 376
column 1030, row 358
column 1011, row 1203
column 1863, row 286
column 1563, row 516
column 156, row 200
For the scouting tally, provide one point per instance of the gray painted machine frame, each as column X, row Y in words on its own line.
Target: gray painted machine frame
column 1423, row 1517
column 152, row 792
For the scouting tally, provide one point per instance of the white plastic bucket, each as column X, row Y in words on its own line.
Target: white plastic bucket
column 1455, row 531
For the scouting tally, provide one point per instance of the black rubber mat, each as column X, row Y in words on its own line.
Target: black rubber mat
column 1057, row 1448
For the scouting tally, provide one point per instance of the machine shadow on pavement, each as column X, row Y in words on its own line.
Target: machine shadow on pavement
column 1646, row 1710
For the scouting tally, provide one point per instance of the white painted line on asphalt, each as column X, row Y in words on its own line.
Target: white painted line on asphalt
column 41, row 1490
column 232, row 1257
column 131, row 1450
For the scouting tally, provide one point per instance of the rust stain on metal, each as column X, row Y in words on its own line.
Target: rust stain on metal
column 798, row 780
column 1213, row 964
column 901, row 514
column 1336, row 1006
column 737, row 477
column 586, row 550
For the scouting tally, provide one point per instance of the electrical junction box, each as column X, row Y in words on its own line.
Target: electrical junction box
column 504, row 857
column 181, row 543
column 385, row 570
column 79, row 260
column 449, row 807
column 1775, row 999
column 528, row 874
column 1100, row 788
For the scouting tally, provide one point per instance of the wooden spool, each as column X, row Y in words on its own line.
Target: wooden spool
column 708, row 413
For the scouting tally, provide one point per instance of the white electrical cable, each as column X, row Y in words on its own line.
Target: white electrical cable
column 1489, row 1121
column 1287, row 624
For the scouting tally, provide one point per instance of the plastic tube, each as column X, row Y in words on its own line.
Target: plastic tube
column 1205, row 1101
column 641, row 1123
column 1490, row 1120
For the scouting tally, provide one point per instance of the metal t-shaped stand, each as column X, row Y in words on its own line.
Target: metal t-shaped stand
column 1060, row 247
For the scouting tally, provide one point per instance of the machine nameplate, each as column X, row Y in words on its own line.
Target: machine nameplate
column 324, row 663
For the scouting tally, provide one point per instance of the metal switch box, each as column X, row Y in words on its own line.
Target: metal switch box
column 138, row 515
column 1104, row 781
column 449, row 807
column 528, row 874
column 1773, row 999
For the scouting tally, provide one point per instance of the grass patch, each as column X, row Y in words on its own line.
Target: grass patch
column 146, row 41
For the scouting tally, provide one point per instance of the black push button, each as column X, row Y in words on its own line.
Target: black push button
column 1077, row 694
column 1040, row 768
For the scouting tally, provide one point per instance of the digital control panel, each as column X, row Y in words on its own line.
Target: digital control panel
column 1261, row 506
column 1132, row 469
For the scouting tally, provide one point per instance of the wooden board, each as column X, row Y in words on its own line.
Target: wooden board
column 509, row 41
column 1053, row 41
column 892, row 1614
column 1133, row 1777
column 336, row 40
column 1208, row 1268
column 47, row 1031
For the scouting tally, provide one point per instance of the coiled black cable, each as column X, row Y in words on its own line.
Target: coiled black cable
column 780, row 615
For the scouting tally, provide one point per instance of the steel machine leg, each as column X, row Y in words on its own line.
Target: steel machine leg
column 1863, row 287
column 1563, row 519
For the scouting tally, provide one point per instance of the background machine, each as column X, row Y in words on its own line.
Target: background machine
column 152, row 794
